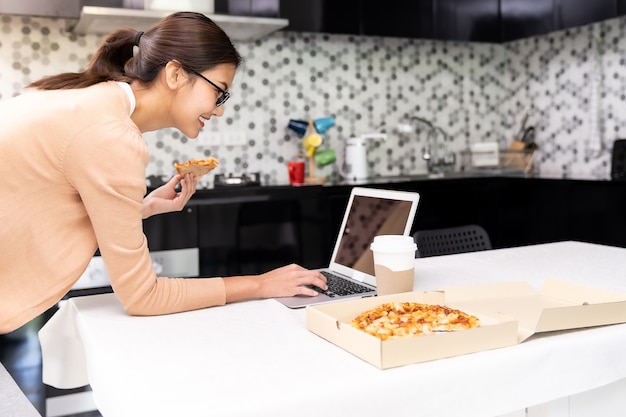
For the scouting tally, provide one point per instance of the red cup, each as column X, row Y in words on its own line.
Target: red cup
column 296, row 172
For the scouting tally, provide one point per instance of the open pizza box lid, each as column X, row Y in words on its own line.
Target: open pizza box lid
column 559, row 306
column 332, row 322
column 509, row 313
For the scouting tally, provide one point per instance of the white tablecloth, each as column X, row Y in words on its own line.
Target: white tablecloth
column 13, row 402
column 256, row 358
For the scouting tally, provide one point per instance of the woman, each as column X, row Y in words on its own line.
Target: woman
column 73, row 173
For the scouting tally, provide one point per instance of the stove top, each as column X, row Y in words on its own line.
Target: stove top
column 231, row 180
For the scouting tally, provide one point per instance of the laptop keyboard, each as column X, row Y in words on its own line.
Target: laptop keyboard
column 338, row 286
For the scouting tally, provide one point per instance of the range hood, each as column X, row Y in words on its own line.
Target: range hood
column 102, row 20
column 103, row 16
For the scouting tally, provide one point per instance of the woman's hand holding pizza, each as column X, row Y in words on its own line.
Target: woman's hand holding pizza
column 166, row 199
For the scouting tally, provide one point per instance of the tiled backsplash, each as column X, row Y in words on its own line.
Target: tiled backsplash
column 574, row 80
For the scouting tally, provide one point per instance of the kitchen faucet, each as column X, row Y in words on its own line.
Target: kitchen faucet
column 435, row 163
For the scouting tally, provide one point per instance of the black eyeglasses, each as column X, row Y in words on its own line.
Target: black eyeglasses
column 224, row 94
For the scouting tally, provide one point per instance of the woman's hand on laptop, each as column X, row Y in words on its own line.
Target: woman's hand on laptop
column 291, row 280
column 285, row 281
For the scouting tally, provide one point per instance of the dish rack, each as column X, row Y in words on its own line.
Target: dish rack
column 509, row 160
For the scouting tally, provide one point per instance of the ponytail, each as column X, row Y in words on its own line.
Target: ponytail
column 127, row 55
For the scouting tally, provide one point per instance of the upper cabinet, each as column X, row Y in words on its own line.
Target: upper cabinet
column 399, row 18
column 522, row 18
column 491, row 21
column 467, row 20
column 329, row 16
column 571, row 13
column 256, row 8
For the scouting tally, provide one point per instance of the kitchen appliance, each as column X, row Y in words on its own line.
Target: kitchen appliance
column 243, row 180
column 354, row 164
column 103, row 16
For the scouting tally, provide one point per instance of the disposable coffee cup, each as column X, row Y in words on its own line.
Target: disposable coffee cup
column 394, row 263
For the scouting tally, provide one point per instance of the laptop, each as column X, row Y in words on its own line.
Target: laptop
column 370, row 212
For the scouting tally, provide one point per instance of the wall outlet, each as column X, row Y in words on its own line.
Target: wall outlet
column 234, row 138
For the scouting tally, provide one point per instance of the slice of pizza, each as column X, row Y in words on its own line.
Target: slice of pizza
column 198, row 167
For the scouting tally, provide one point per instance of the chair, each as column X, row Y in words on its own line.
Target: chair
column 618, row 160
column 268, row 236
column 468, row 238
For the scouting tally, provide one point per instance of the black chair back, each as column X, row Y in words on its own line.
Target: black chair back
column 468, row 238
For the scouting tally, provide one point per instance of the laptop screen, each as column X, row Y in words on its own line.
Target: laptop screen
column 368, row 217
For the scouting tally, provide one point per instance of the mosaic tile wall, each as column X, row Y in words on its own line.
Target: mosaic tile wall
column 574, row 82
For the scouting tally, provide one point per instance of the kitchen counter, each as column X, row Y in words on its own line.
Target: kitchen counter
column 391, row 179
column 493, row 174
column 515, row 210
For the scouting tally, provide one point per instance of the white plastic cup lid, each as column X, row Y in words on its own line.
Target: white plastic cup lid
column 393, row 243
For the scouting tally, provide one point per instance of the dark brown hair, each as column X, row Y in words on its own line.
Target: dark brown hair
column 192, row 39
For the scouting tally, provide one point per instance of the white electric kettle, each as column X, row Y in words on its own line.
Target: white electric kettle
column 354, row 165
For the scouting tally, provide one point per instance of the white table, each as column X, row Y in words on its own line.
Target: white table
column 13, row 402
column 257, row 359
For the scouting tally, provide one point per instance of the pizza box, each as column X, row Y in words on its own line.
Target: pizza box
column 332, row 322
column 509, row 314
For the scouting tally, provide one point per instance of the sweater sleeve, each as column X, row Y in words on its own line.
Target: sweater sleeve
column 106, row 163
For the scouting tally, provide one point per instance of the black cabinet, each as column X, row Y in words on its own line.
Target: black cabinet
column 467, row 20
column 595, row 212
column 328, row 16
column 491, row 21
column 178, row 230
column 523, row 18
column 254, row 229
column 257, row 8
column 571, row 13
column 475, row 20
column 400, row 18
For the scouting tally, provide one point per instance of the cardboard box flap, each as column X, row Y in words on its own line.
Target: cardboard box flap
column 560, row 305
column 579, row 316
column 573, row 306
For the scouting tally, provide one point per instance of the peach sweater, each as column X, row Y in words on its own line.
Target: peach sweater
column 73, row 179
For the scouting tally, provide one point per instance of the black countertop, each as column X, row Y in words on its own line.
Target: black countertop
column 263, row 192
